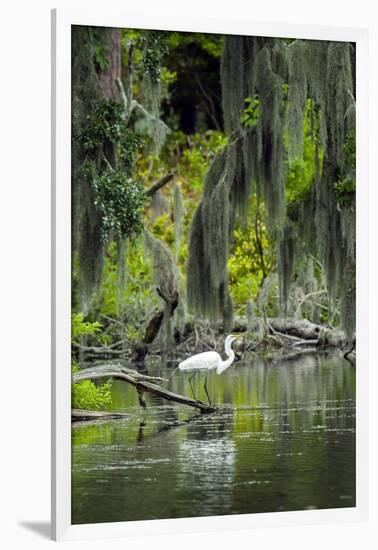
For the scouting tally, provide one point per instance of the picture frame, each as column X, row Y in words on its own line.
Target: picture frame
column 62, row 20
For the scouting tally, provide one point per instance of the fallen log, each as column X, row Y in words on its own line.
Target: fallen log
column 298, row 330
column 141, row 382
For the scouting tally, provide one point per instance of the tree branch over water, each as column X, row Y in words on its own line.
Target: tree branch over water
column 141, row 382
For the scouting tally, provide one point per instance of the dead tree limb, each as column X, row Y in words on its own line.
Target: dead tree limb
column 142, row 383
column 159, row 184
column 153, row 327
column 347, row 355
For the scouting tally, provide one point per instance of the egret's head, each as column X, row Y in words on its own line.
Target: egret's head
column 231, row 337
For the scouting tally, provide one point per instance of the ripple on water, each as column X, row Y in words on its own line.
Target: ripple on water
column 284, row 439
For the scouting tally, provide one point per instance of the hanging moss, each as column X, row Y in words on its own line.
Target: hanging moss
column 233, row 85
column 339, row 99
column 297, row 96
column 87, row 247
column 178, row 217
column 285, row 258
column 121, row 273
column 270, row 130
column 107, row 197
column 251, row 315
column 208, row 247
column 229, row 181
column 148, row 122
column 283, row 76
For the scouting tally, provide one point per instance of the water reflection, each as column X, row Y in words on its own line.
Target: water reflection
column 284, row 439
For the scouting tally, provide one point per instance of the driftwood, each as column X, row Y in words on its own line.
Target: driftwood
column 296, row 328
column 298, row 331
column 142, row 383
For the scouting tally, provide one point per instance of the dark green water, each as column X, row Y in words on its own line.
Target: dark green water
column 284, row 439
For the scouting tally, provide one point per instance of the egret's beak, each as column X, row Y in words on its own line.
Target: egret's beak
column 236, row 336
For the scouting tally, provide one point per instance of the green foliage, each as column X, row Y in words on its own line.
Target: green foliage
column 155, row 48
column 168, row 77
column 86, row 395
column 278, row 138
column 162, row 228
column 120, row 200
column 349, row 150
column 251, row 112
column 100, row 57
column 100, row 48
column 81, row 327
column 138, row 295
column 345, row 186
column 285, row 91
column 345, row 190
column 301, row 171
column 209, row 43
column 252, row 256
column 119, row 197
column 106, row 122
column 189, row 156
column 197, row 157
column 129, row 146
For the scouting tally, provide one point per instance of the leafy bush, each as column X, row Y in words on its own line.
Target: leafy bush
column 120, row 200
column 80, row 327
column 345, row 190
column 106, row 122
column 85, row 394
column 251, row 112
column 197, row 156
column 251, row 258
column 156, row 47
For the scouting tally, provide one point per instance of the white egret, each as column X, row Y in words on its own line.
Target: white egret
column 207, row 361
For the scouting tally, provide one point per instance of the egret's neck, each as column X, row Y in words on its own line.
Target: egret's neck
column 231, row 356
column 228, row 350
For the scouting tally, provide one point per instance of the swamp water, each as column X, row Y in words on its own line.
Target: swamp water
column 284, row 439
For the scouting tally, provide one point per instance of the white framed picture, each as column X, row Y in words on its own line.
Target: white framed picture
column 210, row 192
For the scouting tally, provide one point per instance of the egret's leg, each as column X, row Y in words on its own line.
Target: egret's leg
column 191, row 387
column 207, row 393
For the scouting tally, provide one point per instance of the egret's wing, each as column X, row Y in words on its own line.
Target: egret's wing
column 202, row 361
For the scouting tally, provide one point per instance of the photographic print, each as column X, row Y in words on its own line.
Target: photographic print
column 213, row 274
